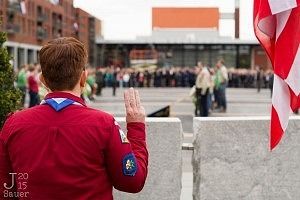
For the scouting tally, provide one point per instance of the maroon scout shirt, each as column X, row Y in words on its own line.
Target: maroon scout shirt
column 73, row 153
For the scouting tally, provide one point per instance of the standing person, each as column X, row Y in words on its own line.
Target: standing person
column 140, row 77
column 33, row 86
column 66, row 150
column 91, row 80
column 114, row 81
column 126, row 79
column 211, row 89
column 258, row 78
column 222, row 79
column 202, row 89
column 99, row 81
column 120, row 74
column 148, row 78
column 22, row 82
column 271, row 82
column 157, row 78
column 131, row 78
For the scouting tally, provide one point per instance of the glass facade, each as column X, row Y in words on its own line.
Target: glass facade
column 203, row 54
column 186, row 55
column 244, row 57
column 190, row 55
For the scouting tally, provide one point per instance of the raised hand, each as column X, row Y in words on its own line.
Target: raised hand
column 134, row 111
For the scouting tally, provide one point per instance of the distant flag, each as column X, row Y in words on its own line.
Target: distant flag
column 277, row 27
column 23, row 7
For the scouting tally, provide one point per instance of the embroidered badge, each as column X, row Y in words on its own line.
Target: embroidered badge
column 129, row 165
column 123, row 136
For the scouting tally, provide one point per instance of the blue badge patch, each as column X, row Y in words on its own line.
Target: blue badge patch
column 129, row 165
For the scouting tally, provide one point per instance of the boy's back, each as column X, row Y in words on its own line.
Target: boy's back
column 65, row 150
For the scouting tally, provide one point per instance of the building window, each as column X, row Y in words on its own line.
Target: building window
column 228, row 53
column 215, row 54
column 30, row 56
column 244, row 56
column 203, row 54
column 190, row 56
column 10, row 51
column 177, row 58
column 21, row 57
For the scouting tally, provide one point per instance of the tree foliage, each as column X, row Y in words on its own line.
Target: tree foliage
column 10, row 96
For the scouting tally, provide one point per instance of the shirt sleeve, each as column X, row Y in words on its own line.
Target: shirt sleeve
column 127, row 157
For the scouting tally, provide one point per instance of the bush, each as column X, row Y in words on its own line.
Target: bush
column 10, row 97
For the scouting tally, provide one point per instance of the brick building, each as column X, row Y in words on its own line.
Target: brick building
column 30, row 24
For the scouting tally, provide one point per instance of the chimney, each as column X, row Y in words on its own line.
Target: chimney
column 237, row 19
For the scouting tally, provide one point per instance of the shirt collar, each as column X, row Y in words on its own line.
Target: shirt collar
column 65, row 95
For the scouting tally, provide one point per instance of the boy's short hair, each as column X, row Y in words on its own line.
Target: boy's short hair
column 62, row 62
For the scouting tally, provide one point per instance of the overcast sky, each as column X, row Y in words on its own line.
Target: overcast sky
column 125, row 19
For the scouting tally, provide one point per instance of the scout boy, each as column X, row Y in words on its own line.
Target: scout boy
column 62, row 149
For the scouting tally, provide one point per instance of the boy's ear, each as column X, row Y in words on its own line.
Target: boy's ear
column 83, row 78
column 42, row 79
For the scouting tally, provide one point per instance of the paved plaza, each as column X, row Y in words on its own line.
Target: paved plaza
column 241, row 102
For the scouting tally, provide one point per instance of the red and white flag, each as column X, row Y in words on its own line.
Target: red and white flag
column 277, row 27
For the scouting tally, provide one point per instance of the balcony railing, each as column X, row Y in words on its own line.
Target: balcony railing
column 41, row 34
column 41, row 17
column 58, row 24
column 14, row 7
column 12, row 28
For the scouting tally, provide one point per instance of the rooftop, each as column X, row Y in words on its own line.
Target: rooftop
column 180, row 36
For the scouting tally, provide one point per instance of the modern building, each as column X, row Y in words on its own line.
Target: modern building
column 181, row 37
column 30, row 24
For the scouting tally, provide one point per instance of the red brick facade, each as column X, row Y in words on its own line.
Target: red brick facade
column 34, row 22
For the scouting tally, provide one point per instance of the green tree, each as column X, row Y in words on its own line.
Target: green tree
column 10, row 97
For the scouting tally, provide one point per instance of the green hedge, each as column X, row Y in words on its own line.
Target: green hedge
column 10, row 97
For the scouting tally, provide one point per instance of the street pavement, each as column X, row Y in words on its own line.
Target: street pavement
column 241, row 102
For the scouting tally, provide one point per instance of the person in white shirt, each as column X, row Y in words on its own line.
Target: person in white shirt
column 203, row 83
column 126, row 78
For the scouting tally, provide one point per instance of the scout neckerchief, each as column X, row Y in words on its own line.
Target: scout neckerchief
column 59, row 103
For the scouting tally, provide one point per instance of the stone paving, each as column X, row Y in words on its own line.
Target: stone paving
column 241, row 102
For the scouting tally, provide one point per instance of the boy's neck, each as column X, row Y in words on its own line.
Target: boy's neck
column 76, row 91
column 72, row 92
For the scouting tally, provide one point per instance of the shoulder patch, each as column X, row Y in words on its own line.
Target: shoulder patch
column 129, row 165
column 123, row 136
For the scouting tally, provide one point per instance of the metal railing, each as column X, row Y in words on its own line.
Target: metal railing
column 41, row 17
column 14, row 7
column 41, row 33
column 12, row 28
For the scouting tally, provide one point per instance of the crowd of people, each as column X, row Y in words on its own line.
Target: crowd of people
column 174, row 77
column 208, row 83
